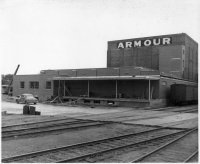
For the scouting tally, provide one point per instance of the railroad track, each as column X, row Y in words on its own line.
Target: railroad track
column 40, row 123
column 128, row 117
column 164, row 108
column 156, row 115
column 181, row 149
column 176, row 109
column 89, row 150
column 193, row 158
column 188, row 110
column 31, row 120
column 108, row 115
column 171, row 124
column 56, row 127
column 131, row 118
column 192, row 111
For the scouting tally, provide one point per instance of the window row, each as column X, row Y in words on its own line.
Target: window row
column 35, row 84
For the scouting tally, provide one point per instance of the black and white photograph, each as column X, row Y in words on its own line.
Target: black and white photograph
column 99, row 81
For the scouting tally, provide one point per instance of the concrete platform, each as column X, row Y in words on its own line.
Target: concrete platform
column 121, row 102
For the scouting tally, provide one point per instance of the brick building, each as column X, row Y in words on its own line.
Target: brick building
column 177, row 54
column 139, row 72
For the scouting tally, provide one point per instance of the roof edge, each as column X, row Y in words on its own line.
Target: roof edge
column 151, row 37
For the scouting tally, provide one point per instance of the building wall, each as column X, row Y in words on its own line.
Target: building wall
column 146, row 56
column 137, row 57
column 152, row 56
column 191, row 59
column 107, row 72
column 171, row 60
column 42, row 92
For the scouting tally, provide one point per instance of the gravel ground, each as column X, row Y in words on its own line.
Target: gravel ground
column 167, row 119
column 129, row 154
column 21, row 146
column 45, row 109
column 12, row 119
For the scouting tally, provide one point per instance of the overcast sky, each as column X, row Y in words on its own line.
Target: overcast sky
column 68, row 34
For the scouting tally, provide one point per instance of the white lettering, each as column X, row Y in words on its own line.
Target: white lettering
column 128, row 44
column 154, row 42
column 166, row 40
column 120, row 45
column 147, row 42
column 137, row 43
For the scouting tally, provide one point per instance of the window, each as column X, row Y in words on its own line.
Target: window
column 86, row 101
column 34, row 84
column 96, row 101
column 164, row 83
column 21, row 84
column 48, row 85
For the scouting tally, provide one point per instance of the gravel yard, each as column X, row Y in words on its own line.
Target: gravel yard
column 21, row 146
column 123, row 123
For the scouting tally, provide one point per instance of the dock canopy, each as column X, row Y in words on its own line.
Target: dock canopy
column 95, row 85
column 153, row 77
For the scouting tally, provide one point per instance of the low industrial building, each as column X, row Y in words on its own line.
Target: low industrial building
column 4, row 88
column 139, row 73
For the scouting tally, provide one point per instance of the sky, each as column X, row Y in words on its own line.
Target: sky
column 72, row 34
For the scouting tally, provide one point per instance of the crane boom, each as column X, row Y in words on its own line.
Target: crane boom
column 8, row 90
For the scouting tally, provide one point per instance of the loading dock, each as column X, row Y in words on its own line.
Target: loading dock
column 107, row 90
